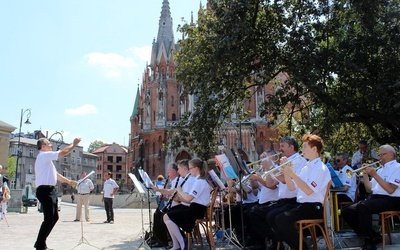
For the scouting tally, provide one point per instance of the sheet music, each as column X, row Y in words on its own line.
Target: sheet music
column 137, row 184
column 146, row 179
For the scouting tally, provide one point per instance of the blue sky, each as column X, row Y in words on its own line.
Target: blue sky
column 77, row 63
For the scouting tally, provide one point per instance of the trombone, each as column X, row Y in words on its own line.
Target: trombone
column 357, row 171
column 263, row 159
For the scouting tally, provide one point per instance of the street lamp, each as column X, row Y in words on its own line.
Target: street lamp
column 19, row 151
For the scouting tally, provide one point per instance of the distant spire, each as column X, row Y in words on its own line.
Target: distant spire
column 165, row 37
column 135, row 111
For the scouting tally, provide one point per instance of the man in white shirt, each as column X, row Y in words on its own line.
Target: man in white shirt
column 84, row 188
column 350, row 183
column 109, row 190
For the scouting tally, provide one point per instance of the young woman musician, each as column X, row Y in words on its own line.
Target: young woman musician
column 198, row 197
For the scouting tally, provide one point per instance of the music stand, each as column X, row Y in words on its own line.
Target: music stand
column 140, row 188
column 83, row 240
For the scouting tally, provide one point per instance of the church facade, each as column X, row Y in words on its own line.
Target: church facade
column 160, row 102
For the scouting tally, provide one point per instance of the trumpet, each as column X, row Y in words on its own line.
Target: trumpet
column 263, row 159
column 357, row 171
column 246, row 179
column 271, row 171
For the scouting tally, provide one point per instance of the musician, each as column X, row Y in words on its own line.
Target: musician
column 350, row 183
column 267, row 197
column 311, row 184
column 160, row 233
column 198, row 198
column 385, row 189
column 362, row 155
column 287, row 198
column 244, row 203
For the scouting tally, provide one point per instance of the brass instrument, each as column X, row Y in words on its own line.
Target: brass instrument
column 246, row 179
column 357, row 171
column 263, row 159
column 271, row 171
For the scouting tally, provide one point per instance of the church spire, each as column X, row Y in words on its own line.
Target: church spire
column 165, row 39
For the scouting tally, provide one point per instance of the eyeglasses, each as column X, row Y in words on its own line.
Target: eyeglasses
column 380, row 155
column 191, row 168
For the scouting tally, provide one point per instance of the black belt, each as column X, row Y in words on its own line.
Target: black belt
column 46, row 186
column 84, row 194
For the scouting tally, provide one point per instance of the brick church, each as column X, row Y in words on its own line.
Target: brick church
column 160, row 102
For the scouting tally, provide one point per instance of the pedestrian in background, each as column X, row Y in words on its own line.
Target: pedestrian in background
column 109, row 190
column 84, row 188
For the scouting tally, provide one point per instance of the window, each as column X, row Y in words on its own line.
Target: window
column 118, row 177
column 65, row 160
column 30, row 169
column 31, row 153
column 73, row 160
column 64, row 172
column 119, row 159
column 100, row 158
column 79, row 160
column 85, row 161
column 99, row 176
column 110, row 168
column 109, row 158
column 93, row 163
column 174, row 117
column 119, row 168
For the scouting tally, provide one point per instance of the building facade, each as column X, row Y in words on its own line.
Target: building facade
column 112, row 158
column 160, row 102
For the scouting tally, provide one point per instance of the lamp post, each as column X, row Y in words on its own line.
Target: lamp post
column 19, row 151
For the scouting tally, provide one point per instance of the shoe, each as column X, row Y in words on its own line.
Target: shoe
column 77, row 220
column 111, row 222
column 106, row 221
column 368, row 246
column 87, row 220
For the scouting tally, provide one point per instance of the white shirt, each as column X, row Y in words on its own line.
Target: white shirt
column 266, row 194
column 390, row 172
column 45, row 171
column 108, row 188
column 187, row 186
column 201, row 192
column 298, row 164
column 351, row 182
column 85, row 186
column 317, row 176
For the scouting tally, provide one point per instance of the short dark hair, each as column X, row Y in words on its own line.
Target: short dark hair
column 291, row 141
column 41, row 142
column 174, row 166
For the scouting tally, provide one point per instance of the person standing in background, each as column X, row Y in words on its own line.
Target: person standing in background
column 46, row 180
column 84, row 188
column 109, row 190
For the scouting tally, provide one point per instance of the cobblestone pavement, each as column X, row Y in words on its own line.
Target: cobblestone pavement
column 125, row 233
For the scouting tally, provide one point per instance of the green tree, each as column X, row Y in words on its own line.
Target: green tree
column 11, row 165
column 341, row 59
column 95, row 145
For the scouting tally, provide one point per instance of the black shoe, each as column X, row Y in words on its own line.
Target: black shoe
column 368, row 246
column 106, row 221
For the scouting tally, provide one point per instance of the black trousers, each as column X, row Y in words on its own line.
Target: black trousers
column 258, row 227
column 283, row 220
column 108, row 205
column 48, row 198
column 160, row 231
column 278, row 208
column 359, row 215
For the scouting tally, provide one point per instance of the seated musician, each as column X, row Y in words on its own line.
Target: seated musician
column 288, row 146
column 243, row 204
column 348, row 194
column 385, row 188
column 198, row 197
column 311, row 184
column 160, row 232
column 257, row 229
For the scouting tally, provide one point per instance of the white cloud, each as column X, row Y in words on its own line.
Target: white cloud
column 144, row 53
column 112, row 64
column 82, row 110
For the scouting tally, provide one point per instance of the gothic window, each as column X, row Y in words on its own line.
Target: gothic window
column 154, row 147
column 31, row 153
column 174, row 117
column 172, row 100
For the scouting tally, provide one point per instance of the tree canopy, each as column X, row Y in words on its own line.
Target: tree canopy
column 342, row 59
column 95, row 145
